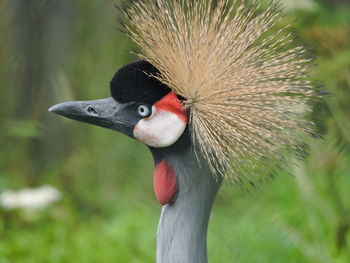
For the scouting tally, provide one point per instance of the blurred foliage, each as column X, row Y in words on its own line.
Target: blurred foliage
column 53, row 51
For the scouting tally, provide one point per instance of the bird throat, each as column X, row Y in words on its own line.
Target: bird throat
column 165, row 185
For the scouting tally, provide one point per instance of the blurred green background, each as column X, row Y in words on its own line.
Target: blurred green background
column 59, row 50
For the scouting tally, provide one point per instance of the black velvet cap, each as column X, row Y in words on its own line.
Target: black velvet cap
column 133, row 83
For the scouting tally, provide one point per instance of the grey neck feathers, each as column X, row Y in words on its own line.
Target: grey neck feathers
column 182, row 229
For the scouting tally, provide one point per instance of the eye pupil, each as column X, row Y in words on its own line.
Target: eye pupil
column 143, row 111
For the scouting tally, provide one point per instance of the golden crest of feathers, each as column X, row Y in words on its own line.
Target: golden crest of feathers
column 245, row 81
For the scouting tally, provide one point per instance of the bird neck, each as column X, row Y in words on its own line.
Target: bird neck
column 182, row 229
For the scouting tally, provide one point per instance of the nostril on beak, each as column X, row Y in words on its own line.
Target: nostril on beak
column 91, row 110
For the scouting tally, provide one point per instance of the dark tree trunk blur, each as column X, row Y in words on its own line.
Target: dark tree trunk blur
column 42, row 30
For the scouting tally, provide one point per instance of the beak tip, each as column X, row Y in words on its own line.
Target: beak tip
column 53, row 109
column 61, row 108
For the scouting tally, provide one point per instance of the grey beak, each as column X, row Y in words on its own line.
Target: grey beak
column 104, row 113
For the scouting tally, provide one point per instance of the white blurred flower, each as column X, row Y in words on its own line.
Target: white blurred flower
column 30, row 198
column 299, row 4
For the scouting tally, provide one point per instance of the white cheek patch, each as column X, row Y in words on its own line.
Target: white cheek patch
column 162, row 129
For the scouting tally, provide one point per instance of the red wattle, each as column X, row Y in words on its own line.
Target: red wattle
column 164, row 182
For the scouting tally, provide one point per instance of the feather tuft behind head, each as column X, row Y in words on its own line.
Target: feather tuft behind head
column 245, row 81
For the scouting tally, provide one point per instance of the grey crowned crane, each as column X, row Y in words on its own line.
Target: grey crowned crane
column 219, row 94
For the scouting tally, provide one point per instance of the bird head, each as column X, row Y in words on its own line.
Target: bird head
column 145, row 109
column 140, row 106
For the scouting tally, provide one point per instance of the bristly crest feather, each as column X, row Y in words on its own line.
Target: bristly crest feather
column 245, row 81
